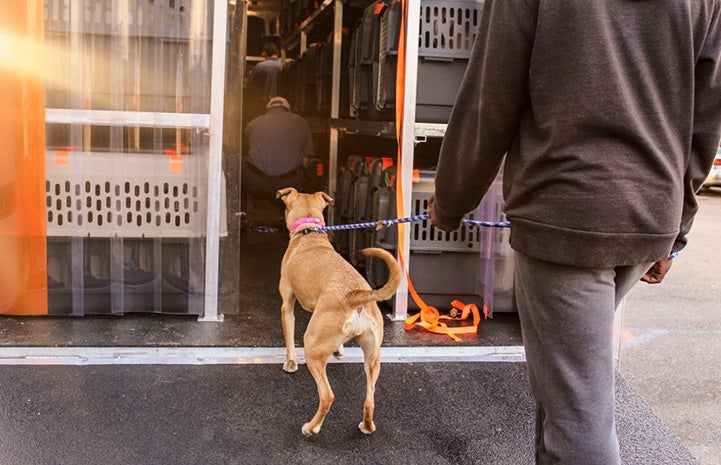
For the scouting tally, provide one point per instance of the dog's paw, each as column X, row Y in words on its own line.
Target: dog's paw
column 364, row 429
column 308, row 431
column 290, row 366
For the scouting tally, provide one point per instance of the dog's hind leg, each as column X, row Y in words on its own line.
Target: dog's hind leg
column 316, row 363
column 372, row 363
column 287, row 315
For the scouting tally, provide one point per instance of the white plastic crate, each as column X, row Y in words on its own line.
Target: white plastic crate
column 172, row 19
column 127, row 195
column 425, row 237
column 448, row 28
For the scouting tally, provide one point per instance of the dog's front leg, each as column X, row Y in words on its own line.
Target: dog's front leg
column 287, row 315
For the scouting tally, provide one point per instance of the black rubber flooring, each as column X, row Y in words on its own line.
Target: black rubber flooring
column 426, row 413
column 255, row 323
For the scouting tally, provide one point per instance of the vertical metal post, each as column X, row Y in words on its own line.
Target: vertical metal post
column 215, row 161
column 77, row 242
column 117, row 275
column 337, row 49
column 157, row 275
column 243, row 56
column 407, row 143
column 76, row 68
column 119, row 61
column 335, row 101
column 332, row 169
column 77, row 267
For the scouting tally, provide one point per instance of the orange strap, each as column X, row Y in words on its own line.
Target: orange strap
column 431, row 320
column 400, row 104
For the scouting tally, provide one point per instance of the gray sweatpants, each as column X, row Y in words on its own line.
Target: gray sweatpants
column 566, row 316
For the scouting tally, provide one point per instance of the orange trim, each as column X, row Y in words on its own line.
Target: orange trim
column 23, row 241
column 176, row 162
column 61, row 157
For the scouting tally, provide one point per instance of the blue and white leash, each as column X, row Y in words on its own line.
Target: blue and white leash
column 392, row 221
column 383, row 224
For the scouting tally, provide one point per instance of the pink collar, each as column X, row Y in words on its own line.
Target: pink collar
column 303, row 222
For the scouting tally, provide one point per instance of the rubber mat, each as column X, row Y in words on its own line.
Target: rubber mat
column 426, row 413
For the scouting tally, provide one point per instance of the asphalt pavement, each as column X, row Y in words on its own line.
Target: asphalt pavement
column 454, row 413
column 672, row 341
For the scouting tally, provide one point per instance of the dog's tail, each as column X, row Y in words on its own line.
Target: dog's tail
column 361, row 297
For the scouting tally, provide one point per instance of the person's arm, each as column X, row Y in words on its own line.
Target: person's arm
column 705, row 138
column 487, row 111
column 707, row 123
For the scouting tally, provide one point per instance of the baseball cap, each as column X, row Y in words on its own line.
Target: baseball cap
column 278, row 102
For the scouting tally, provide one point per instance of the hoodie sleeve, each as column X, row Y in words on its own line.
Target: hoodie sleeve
column 487, row 110
column 707, row 119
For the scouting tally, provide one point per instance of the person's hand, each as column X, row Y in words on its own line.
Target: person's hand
column 658, row 271
column 432, row 215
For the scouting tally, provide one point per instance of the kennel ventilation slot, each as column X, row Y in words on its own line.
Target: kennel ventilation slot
column 127, row 195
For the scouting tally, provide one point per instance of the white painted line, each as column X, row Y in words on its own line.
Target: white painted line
column 242, row 355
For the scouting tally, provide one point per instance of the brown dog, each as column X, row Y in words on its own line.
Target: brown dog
column 343, row 304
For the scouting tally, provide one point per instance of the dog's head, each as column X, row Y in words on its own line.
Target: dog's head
column 298, row 205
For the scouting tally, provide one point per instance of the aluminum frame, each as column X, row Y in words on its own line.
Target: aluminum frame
column 215, row 161
column 400, row 309
column 335, row 101
column 243, row 355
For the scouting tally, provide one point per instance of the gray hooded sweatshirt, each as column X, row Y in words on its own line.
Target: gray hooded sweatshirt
column 608, row 113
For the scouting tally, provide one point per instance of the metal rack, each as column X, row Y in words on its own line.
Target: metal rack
column 299, row 38
column 412, row 131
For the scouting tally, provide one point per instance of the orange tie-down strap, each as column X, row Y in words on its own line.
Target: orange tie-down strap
column 431, row 319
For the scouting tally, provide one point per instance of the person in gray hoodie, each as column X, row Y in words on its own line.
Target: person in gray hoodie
column 605, row 116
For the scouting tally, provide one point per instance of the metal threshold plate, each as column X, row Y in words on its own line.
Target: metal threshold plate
column 242, row 355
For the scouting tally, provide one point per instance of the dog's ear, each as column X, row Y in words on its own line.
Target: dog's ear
column 327, row 198
column 284, row 194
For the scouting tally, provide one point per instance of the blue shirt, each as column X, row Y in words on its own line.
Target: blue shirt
column 263, row 80
column 278, row 141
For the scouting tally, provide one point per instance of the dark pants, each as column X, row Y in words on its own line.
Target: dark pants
column 566, row 316
column 263, row 186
